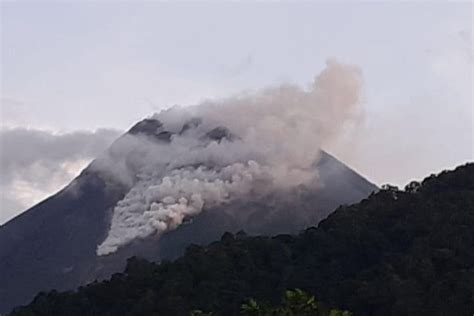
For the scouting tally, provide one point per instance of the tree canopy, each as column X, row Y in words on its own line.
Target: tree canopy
column 398, row 252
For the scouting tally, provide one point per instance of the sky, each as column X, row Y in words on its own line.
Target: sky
column 76, row 74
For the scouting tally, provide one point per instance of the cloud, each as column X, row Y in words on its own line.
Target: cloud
column 36, row 163
column 205, row 155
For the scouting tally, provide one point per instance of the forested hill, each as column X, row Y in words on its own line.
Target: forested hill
column 407, row 252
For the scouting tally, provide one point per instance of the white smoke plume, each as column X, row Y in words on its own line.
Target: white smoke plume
column 217, row 151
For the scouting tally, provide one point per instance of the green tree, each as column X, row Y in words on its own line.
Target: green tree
column 295, row 303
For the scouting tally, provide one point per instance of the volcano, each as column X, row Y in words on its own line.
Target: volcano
column 54, row 244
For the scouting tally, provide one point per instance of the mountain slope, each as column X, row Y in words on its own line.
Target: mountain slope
column 395, row 253
column 53, row 245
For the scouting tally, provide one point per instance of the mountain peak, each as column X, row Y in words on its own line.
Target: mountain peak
column 147, row 126
column 53, row 245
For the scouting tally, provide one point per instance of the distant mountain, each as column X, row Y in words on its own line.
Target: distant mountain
column 397, row 253
column 53, row 245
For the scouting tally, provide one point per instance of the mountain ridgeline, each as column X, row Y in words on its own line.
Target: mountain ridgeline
column 397, row 252
column 54, row 244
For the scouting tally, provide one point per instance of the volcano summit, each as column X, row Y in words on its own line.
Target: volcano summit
column 186, row 175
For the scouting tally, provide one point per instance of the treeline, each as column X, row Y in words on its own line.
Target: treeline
column 294, row 303
column 398, row 252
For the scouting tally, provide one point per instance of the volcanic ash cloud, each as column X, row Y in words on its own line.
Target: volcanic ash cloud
column 218, row 151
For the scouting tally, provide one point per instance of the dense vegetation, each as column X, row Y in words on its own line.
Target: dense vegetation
column 294, row 303
column 397, row 252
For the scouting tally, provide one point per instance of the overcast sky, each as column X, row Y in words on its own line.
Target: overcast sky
column 71, row 68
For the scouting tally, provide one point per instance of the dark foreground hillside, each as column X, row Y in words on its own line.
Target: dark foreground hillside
column 396, row 253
